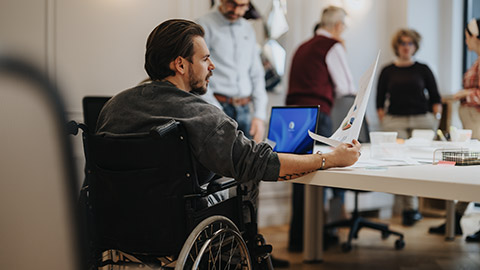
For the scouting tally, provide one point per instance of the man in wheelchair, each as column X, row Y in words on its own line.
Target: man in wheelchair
column 178, row 64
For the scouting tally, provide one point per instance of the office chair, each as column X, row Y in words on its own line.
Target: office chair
column 356, row 222
column 38, row 186
column 145, row 201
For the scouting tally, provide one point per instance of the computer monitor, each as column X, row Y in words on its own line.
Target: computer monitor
column 288, row 128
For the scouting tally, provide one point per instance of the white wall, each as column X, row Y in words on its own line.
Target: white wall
column 441, row 47
column 23, row 29
column 100, row 45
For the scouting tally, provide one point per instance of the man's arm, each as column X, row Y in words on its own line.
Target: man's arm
column 339, row 70
column 293, row 166
column 257, row 129
column 259, row 94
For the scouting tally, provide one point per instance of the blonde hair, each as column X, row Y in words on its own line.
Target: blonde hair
column 332, row 15
column 397, row 39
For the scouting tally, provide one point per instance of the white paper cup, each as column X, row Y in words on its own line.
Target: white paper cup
column 426, row 134
column 379, row 137
column 461, row 135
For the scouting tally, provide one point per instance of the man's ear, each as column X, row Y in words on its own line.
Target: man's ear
column 178, row 65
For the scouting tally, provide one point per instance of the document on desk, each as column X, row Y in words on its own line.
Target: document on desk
column 351, row 125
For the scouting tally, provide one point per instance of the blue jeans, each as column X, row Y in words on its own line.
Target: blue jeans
column 241, row 114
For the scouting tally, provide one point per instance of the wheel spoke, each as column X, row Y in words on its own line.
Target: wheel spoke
column 210, row 256
column 231, row 254
column 216, row 244
column 218, row 252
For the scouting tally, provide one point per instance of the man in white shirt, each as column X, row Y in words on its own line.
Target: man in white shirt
column 239, row 81
column 337, row 64
column 319, row 74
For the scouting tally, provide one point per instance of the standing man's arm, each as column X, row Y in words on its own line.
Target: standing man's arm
column 339, row 70
column 259, row 96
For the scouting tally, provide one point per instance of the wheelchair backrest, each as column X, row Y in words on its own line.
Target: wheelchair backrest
column 92, row 105
column 137, row 185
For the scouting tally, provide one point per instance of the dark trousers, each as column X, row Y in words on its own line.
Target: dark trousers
column 324, row 128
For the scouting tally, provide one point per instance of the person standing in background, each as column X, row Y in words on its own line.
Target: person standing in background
column 469, row 96
column 469, row 113
column 240, row 78
column 414, row 101
column 238, row 87
column 319, row 73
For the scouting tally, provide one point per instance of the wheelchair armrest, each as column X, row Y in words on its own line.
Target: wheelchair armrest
column 220, row 184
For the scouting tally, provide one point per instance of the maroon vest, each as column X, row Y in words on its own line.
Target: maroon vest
column 310, row 83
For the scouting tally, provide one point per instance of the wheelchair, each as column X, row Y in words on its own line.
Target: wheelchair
column 143, row 206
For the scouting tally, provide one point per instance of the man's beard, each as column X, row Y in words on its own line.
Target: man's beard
column 198, row 90
column 232, row 15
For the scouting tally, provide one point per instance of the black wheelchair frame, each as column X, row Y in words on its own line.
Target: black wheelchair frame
column 141, row 197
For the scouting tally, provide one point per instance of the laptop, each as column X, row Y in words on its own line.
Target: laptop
column 288, row 128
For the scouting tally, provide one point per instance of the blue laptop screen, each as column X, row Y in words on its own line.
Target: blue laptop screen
column 288, row 129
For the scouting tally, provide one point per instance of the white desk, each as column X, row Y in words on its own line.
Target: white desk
column 432, row 181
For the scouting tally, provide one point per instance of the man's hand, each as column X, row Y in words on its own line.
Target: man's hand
column 257, row 129
column 344, row 155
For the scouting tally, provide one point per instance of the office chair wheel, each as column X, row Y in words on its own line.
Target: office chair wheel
column 399, row 244
column 215, row 243
column 385, row 235
column 346, row 247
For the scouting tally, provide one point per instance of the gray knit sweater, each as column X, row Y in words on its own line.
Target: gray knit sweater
column 214, row 139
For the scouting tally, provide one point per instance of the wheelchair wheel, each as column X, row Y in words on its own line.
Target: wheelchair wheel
column 215, row 243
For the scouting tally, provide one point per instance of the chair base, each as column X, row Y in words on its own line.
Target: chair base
column 356, row 223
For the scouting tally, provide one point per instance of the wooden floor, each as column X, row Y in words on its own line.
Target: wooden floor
column 422, row 250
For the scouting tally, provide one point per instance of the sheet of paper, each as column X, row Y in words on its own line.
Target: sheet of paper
column 352, row 123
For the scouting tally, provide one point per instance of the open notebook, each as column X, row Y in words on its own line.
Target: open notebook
column 289, row 126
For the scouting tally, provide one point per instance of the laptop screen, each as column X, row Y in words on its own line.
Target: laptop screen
column 288, row 128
